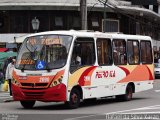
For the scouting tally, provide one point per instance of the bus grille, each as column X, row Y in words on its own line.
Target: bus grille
column 34, row 84
column 34, row 94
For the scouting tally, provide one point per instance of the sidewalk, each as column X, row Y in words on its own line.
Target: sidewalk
column 5, row 97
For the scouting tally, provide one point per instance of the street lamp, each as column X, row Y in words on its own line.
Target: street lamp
column 35, row 24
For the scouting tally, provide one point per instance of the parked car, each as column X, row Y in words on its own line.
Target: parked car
column 156, row 70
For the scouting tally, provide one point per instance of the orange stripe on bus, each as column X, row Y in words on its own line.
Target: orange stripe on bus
column 140, row 73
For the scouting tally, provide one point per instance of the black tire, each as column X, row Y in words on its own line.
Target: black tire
column 127, row 96
column 74, row 100
column 28, row 104
column 129, row 93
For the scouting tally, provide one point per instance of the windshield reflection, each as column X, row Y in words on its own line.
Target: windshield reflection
column 44, row 52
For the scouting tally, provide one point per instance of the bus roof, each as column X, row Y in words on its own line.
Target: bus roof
column 83, row 33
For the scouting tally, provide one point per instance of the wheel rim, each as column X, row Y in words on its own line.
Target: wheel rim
column 129, row 93
column 74, row 98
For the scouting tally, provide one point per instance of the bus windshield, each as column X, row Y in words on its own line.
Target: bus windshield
column 43, row 52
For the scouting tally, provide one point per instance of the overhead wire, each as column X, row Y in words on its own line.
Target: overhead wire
column 121, row 11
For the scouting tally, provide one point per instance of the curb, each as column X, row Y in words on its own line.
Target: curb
column 5, row 100
column 9, row 100
column 5, row 97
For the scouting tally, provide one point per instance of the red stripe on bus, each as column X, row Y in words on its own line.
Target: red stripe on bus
column 85, row 73
column 150, row 74
column 125, row 70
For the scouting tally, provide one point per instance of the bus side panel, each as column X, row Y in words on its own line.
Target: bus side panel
column 142, row 86
column 104, row 79
column 98, row 81
column 111, row 80
column 104, row 91
column 141, row 75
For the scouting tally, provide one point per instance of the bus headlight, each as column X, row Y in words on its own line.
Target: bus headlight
column 56, row 82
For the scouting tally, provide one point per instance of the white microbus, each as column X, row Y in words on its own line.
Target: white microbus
column 71, row 66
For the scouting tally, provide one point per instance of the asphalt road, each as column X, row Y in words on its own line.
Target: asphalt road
column 144, row 104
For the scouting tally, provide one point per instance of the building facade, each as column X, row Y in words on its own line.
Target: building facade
column 121, row 16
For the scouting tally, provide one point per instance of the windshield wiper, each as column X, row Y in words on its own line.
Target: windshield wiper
column 33, row 56
column 30, row 56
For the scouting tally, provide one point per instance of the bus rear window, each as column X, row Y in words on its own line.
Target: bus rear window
column 146, row 52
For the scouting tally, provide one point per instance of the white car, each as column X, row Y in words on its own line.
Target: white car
column 156, row 70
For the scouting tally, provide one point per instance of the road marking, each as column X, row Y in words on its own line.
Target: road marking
column 4, row 98
column 157, row 90
column 82, row 117
column 4, row 95
column 142, row 108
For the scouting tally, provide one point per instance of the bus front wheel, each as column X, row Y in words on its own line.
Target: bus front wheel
column 28, row 104
column 74, row 100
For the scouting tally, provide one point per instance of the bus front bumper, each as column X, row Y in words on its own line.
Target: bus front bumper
column 53, row 94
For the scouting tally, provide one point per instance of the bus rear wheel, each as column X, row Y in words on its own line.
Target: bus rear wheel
column 127, row 96
column 74, row 100
column 28, row 104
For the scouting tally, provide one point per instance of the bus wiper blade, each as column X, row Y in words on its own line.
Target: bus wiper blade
column 30, row 56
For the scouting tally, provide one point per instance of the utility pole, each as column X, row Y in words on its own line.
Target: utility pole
column 83, row 9
column 104, row 15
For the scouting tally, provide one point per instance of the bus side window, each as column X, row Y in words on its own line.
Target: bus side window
column 76, row 55
column 83, row 53
column 104, row 51
column 119, row 52
column 146, row 52
column 133, row 52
